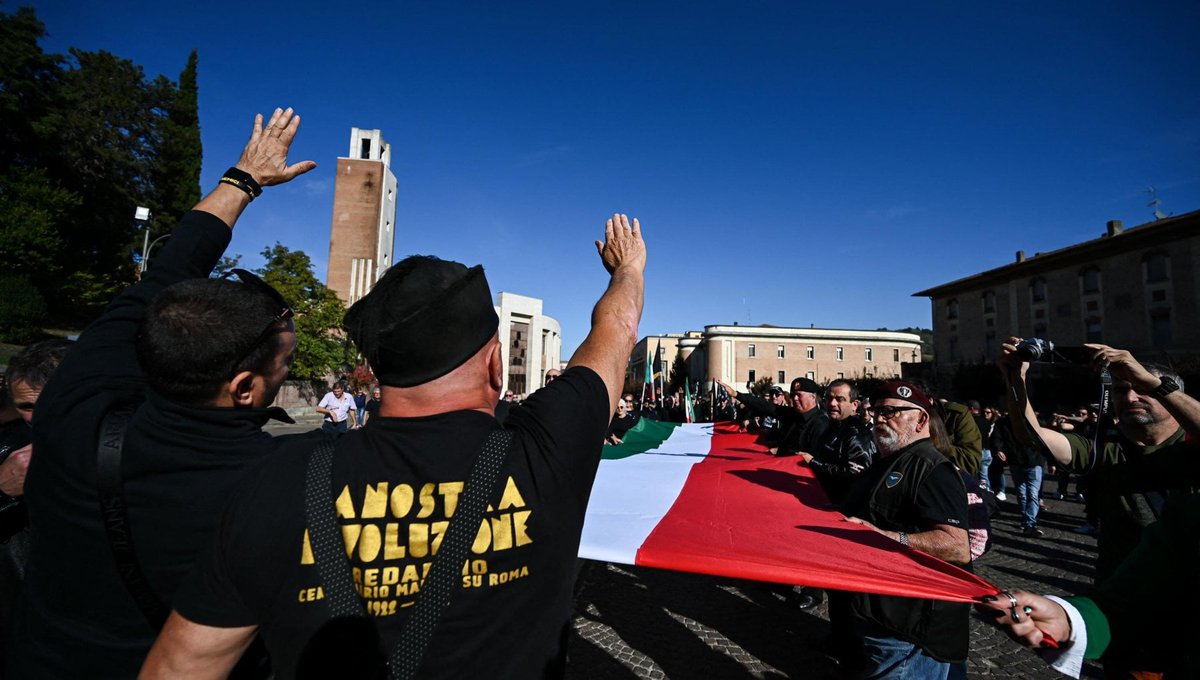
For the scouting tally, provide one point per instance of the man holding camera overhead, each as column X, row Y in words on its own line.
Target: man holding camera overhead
column 1156, row 455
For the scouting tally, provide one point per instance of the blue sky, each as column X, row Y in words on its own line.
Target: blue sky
column 792, row 163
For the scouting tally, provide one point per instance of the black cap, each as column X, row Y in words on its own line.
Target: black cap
column 806, row 385
column 422, row 320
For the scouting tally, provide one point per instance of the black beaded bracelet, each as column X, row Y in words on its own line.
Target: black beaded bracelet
column 242, row 180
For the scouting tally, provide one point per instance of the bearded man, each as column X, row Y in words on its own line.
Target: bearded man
column 913, row 495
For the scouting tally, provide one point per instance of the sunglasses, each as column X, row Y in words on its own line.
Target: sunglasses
column 887, row 412
column 285, row 310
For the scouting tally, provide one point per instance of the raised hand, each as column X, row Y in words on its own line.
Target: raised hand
column 623, row 245
column 265, row 155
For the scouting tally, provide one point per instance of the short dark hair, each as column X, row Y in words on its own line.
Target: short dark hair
column 854, row 396
column 1163, row 371
column 194, row 331
column 35, row 364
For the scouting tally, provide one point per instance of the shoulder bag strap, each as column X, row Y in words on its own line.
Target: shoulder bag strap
column 115, row 512
column 446, row 570
column 329, row 550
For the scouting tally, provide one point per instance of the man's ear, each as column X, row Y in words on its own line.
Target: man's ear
column 496, row 367
column 241, row 389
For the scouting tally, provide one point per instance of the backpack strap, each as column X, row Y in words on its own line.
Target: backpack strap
column 334, row 567
column 115, row 512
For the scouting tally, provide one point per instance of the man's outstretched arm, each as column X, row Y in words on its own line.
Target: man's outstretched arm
column 107, row 346
column 616, row 315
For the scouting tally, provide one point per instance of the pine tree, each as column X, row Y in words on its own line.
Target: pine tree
column 177, row 158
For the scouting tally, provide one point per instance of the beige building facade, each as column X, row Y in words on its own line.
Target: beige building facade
column 362, row 235
column 1136, row 289
column 742, row 355
column 530, row 342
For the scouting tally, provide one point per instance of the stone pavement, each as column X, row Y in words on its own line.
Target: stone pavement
column 633, row 622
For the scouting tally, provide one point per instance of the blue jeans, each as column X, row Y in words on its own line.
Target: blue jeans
column 985, row 465
column 895, row 659
column 1029, row 492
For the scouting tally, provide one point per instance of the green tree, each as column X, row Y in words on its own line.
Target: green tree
column 225, row 264
column 103, row 139
column 21, row 308
column 28, row 79
column 176, row 161
column 319, row 346
column 31, row 207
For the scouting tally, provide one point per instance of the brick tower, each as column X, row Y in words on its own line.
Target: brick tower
column 362, row 235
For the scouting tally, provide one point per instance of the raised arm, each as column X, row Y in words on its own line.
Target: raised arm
column 1020, row 412
column 616, row 315
column 1123, row 366
column 106, row 348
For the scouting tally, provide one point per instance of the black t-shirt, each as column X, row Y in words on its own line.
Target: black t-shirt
column 397, row 481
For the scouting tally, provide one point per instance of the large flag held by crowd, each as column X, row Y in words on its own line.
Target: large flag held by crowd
column 704, row 498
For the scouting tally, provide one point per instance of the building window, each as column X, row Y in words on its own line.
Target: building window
column 782, row 379
column 952, row 308
column 1160, row 328
column 1037, row 290
column 989, row 345
column 1039, row 330
column 1092, row 329
column 752, row 376
column 989, row 302
column 1158, row 296
column 779, row 351
column 868, row 354
column 896, row 355
column 1039, row 313
column 1089, row 280
column 989, row 322
column 841, row 376
column 953, row 349
column 1157, row 267
column 811, row 375
column 1092, row 306
column 750, row 351
column 841, row 353
column 809, row 352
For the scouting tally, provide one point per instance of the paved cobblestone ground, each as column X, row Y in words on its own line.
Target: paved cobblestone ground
column 632, row 622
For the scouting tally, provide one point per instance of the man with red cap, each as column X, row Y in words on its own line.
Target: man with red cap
column 913, row 495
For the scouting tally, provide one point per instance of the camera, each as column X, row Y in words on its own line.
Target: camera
column 1045, row 351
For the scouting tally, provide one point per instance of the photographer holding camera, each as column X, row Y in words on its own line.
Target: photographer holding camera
column 1154, row 457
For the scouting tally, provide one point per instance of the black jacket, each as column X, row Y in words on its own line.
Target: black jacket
column 179, row 462
column 844, row 451
column 797, row 431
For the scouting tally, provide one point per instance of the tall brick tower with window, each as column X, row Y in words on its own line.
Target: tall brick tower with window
column 362, row 236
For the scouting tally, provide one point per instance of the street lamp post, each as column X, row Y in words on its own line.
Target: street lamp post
column 146, row 254
column 142, row 214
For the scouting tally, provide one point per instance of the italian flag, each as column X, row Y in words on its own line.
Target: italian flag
column 707, row 499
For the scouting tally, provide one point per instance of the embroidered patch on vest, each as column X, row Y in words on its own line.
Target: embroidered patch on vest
column 893, row 479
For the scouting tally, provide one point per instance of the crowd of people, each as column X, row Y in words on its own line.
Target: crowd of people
column 429, row 528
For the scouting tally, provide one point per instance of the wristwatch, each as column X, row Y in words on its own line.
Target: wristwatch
column 1167, row 386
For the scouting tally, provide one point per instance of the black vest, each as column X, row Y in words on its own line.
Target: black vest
column 940, row 628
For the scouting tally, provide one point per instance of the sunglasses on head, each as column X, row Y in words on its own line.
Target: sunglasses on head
column 285, row 310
